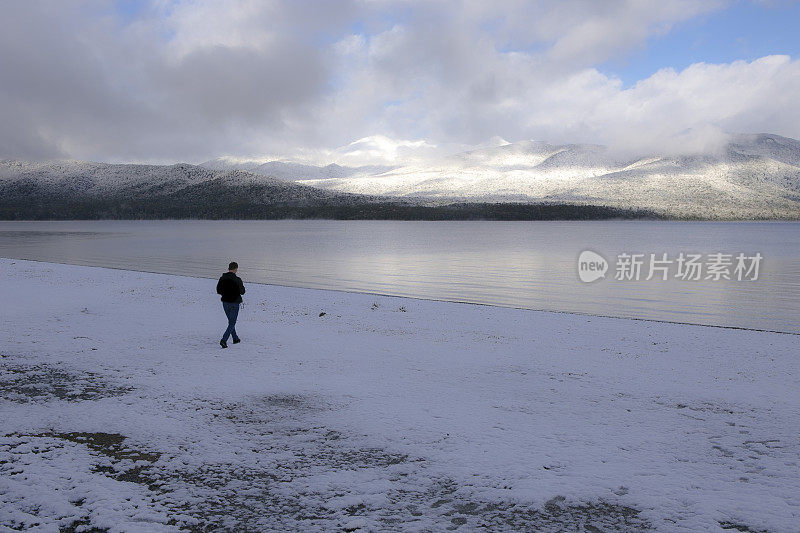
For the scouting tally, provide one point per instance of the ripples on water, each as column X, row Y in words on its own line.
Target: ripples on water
column 518, row 264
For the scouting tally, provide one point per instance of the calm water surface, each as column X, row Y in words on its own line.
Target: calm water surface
column 519, row 264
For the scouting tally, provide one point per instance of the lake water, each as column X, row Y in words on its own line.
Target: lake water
column 531, row 265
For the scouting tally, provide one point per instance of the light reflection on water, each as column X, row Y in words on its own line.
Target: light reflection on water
column 518, row 264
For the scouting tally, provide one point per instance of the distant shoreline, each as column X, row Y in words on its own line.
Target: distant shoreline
column 158, row 210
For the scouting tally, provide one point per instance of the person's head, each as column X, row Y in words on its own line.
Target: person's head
column 233, row 266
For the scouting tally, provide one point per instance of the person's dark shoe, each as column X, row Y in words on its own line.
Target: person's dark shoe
column 223, row 344
column 237, row 341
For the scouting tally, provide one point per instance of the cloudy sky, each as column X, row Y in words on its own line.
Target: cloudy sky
column 370, row 81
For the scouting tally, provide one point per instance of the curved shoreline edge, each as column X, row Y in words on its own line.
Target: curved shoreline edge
column 388, row 295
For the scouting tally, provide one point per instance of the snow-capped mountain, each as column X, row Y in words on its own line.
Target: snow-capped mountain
column 75, row 189
column 81, row 190
column 81, row 178
column 752, row 176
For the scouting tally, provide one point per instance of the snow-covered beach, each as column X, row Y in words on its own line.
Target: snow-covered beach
column 344, row 411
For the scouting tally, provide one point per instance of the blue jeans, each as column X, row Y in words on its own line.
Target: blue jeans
column 231, row 311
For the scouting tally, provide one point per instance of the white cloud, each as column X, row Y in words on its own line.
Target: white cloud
column 742, row 96
column 409, row 79
column 379, row 149
column 216, row 23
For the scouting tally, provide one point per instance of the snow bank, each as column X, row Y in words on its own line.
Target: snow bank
column 119, row 410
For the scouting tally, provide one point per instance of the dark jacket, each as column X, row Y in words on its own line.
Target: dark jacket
column 231, row 288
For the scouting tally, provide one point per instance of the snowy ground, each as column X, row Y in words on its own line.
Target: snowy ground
column 119, row 410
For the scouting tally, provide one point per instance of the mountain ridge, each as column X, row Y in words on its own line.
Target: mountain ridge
column 293, row 171
column 65, row 190
column 749, row 177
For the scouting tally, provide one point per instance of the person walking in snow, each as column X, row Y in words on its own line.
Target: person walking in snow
column 230, row 288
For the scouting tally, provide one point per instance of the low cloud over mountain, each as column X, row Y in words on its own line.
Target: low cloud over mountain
column 746, row 176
